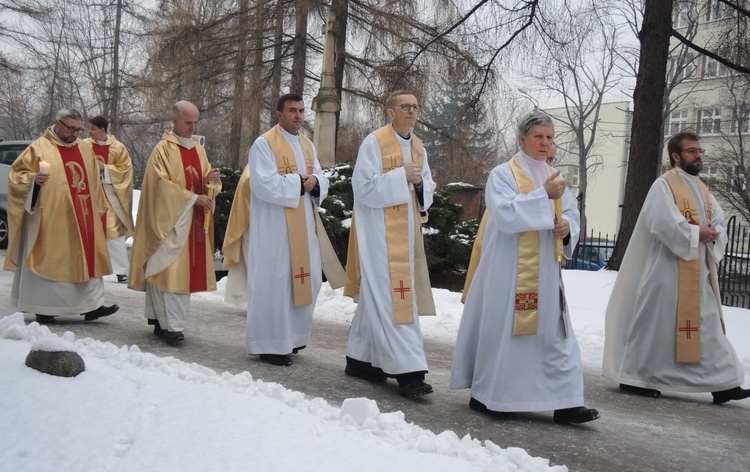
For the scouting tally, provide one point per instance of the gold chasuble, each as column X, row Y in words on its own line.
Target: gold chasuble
column 688, row 330
column 174, row 255
column 120, row 192
column 238, row 222
column 296, row 222
column 65, row 237
column 527, row 278
column 397, row 236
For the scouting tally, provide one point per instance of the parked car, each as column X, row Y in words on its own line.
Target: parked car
column 591, row 255
column 9, row 151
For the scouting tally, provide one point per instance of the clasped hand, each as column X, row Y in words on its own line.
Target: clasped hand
column 310, row 181
column 413, row 172
column 707, row 234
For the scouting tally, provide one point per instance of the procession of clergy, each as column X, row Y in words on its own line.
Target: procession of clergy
column 515, row 347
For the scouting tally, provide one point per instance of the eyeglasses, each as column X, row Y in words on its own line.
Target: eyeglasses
column 71, row 129
column 694, row 150
column 408, row 107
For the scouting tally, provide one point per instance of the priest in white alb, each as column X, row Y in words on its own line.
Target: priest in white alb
column 515, row 347
column 288, row 246
column 392, row 184
column 664, row 328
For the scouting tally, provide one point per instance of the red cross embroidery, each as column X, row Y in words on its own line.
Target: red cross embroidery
column 688, row 329
column 527, row 301
column 302, row 274
column 401, row 289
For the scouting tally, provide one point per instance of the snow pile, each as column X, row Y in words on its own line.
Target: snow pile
column 135, row 411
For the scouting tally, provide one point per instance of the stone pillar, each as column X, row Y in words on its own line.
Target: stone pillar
column 326, row 104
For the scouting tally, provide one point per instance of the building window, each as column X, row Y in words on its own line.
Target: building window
column 711, row 170
column 678, row 121
column 741, row 119
column 684, row 67
column 682, row 17
column 570, row 172
column 717, row 10
column 709, row 121
column 713, row 68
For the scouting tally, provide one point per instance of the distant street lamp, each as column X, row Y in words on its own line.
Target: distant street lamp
column 525, row 92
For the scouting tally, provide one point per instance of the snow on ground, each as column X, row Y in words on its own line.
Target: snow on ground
column 135, row 411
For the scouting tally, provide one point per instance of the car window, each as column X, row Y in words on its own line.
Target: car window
column 9, row 155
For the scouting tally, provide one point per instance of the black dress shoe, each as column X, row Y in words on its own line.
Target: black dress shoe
column 298, row 349
column 282, row 360
column 373, row 374
column 736, row 393
column 476, row 405
column 578, row 414
column 122, row 279
column 158, row 329
column 100, row 312
column 173, row 337
column 644, row 392
column 414, row 388
column 45, row 319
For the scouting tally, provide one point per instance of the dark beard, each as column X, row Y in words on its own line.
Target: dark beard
column 693, row 169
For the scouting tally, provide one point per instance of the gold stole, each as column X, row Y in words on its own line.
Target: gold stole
column 397, row 237
column 527, row 278
column 296, row 222
column 688, row 334
column 527, row 281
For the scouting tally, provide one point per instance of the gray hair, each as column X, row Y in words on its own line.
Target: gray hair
column 72, row 113
column 535, row 118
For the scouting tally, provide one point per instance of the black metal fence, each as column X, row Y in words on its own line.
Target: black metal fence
column 734, row 269
column 592, row 253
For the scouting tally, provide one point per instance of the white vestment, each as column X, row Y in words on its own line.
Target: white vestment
column 374, row 336
column 34, row 294
column 118, row 255
column 274, row 324
column 641, row 317
column 510, row 373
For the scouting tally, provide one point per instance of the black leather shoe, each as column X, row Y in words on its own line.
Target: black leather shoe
column 282, row 360
column 158, row 330
column 173, row 337
column 122, row 279
column 298, row 349
column 736, row 393
column 371, row 375
column 45, row 319
column 578, row 414
column 100, row 312
column 414, row 388
column 476, row 405
column 644, row 392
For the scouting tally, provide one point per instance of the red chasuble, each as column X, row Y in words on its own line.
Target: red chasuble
column 80, row 193
column 197, row 241
column 102, row 150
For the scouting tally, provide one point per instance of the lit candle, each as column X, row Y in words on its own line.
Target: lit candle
column 44, row 167
column 207, row 214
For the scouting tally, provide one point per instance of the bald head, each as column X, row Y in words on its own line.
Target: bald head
column 184, row 118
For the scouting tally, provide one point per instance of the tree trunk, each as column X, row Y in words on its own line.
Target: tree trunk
column 238, row 99
column 299, row 56
column 256, row 97
column 647, row 130
column 341, row 8
column 277, row 58
column 114, row 107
